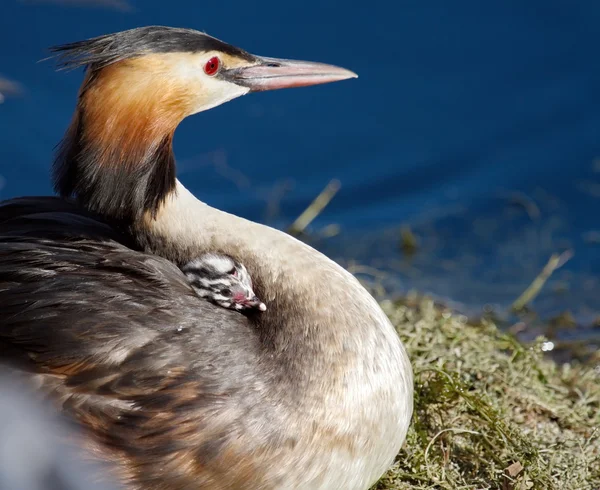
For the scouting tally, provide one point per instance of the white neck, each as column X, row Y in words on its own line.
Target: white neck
column 345, row 352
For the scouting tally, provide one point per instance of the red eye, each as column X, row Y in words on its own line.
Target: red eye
column 233, row 272
column 212, row 66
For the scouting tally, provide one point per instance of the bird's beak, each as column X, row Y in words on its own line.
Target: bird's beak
column 254, row 302
column 257, row 303
column 275, row 73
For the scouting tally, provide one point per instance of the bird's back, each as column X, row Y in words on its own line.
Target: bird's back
column 157, row 376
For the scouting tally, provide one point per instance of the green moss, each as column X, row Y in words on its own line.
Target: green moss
column 484, row 402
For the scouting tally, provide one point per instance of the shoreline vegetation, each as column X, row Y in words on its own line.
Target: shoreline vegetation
column 490, row 411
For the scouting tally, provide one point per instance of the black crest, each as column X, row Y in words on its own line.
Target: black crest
column 102, row 51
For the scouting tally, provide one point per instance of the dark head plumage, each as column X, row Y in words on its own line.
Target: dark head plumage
column 93, row 142
column 99, row 52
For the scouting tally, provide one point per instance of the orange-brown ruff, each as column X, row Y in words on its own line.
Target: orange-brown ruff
column 313, row 393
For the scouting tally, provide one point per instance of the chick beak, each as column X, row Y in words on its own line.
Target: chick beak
column 256, row 303
column 248, row 300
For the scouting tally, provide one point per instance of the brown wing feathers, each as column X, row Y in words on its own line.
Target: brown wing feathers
column 119, row 345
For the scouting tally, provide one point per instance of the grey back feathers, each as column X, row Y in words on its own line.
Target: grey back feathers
column 102, row 51
column 122, row 338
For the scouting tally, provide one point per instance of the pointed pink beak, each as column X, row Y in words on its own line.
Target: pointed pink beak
column 275, row 73
column 249, row 302
column 255, row 303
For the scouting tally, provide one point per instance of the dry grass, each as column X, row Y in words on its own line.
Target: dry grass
column 491, row 413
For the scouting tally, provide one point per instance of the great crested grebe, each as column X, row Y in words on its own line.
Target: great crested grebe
column 223, row 281
column 178, row 393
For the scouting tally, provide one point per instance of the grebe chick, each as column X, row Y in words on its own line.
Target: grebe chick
column 223, row 281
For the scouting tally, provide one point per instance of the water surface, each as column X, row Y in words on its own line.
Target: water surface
column 474, row 123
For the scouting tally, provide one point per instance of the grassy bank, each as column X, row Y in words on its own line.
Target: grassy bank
column 491, row 412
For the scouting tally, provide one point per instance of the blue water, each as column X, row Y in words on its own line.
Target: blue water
column 458, row 107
